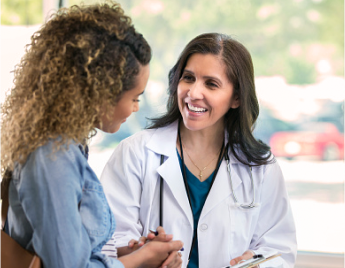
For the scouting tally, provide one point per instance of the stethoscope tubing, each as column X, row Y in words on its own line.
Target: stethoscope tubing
column 227, row 159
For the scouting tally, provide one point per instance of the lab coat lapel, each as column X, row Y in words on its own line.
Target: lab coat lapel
column 171, row 174
column 163, row 142
column 221, row 188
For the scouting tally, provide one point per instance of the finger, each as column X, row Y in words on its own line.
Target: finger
column 178, row 262
column 247, row 255
column 132, row 242
column 172, row 259
column 151, row 236
column 142, row 241
column 236, row 260
column 167, row 237
column 160, row 230
column 161, row 236
column 175, row 245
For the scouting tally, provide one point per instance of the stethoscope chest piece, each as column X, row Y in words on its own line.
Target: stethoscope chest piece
column 238, row 204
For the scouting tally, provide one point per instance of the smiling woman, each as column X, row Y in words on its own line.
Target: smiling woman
column 220, row 190
column 205, row 94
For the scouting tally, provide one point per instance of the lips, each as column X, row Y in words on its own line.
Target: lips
column 196, row 109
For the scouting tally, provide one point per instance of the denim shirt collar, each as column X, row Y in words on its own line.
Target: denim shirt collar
column 84, row 150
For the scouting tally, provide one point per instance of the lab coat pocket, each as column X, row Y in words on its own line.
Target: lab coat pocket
column 243, row 222
column 93, row 209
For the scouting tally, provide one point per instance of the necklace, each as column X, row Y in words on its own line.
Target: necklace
column 200, row 170
column 186, row 183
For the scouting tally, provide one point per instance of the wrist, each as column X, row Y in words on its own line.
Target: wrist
column 123, row 251
column 134, row 259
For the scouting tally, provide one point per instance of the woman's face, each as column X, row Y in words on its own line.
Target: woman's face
column 204, row 93
column 128, row 103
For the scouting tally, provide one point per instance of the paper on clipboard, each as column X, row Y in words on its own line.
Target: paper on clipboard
column 253, row 262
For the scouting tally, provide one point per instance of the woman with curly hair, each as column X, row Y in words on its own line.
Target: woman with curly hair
column 84, row 69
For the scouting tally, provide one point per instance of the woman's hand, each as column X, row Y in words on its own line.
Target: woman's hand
column 154, row 242
column 245, row 256
column 159, row 235
column 155, row 254
column 162, row 254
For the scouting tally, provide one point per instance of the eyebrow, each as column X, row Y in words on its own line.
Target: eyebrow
column 205, row 77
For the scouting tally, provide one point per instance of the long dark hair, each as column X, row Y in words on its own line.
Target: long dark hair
column 239, row 122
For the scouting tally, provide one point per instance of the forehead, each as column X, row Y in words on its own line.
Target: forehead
column 206, row 63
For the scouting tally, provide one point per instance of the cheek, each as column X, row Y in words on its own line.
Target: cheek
column 128, row 111
column 180, row 98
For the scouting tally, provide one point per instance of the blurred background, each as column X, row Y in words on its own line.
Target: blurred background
column 298, row 53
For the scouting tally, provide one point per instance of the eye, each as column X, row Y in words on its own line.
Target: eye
column 136, row 100
column 187, row 78
column 212, row 84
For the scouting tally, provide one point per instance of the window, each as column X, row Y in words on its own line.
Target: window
column 297, row 50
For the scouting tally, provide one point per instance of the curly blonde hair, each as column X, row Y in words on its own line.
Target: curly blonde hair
column 82, row 59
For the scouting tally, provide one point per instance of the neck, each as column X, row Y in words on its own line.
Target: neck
column 202, row 149
column 203, row 139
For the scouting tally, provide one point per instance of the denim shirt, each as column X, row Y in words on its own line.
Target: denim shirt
column 58, row 209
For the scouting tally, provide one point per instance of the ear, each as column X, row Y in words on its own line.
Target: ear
column 235, row 102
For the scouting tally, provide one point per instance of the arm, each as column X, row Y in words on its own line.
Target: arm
column 122, row 179
column 122, row 183
column 50, row 190
column 153, row 254
column 275, row 230
column 133, row 245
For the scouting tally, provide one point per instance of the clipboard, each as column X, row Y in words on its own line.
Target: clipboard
column 253, row 261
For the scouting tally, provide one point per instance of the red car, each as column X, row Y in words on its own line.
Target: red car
column 319, row 140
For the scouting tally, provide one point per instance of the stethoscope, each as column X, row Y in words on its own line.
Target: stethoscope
column 227, row 159
column 238, row 204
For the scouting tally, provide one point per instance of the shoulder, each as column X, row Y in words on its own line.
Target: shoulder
column 51, row 166
column 157, row 141
column 54, row 156
column 140, row 137
column 54, row 149
column 156, row 135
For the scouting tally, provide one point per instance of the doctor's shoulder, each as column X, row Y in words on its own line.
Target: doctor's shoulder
column 137, row 141
column 271, row 165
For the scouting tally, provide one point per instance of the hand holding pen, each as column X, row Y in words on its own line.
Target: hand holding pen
column 160, row 235
column 154, row 235
column 174, row 258
column 156, row 241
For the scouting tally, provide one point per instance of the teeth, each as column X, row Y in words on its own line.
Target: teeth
column 196, row 109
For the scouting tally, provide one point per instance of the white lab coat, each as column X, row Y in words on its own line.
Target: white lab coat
column 131, row 183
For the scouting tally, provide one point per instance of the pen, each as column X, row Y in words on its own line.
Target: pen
column 155, row 232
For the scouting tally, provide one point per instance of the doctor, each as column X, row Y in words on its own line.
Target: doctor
column 199, row 172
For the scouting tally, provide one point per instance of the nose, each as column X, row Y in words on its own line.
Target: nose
column 195, row 91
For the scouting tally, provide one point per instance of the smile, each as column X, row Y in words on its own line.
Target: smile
column 196, row 109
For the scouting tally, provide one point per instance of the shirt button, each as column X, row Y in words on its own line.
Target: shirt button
column 203, row 227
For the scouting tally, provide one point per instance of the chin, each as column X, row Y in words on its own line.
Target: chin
column 111, row 130
column 193, row 125
column 115, row 130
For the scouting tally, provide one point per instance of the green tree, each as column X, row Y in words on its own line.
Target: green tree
column 21, row 12
column 287, row 38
